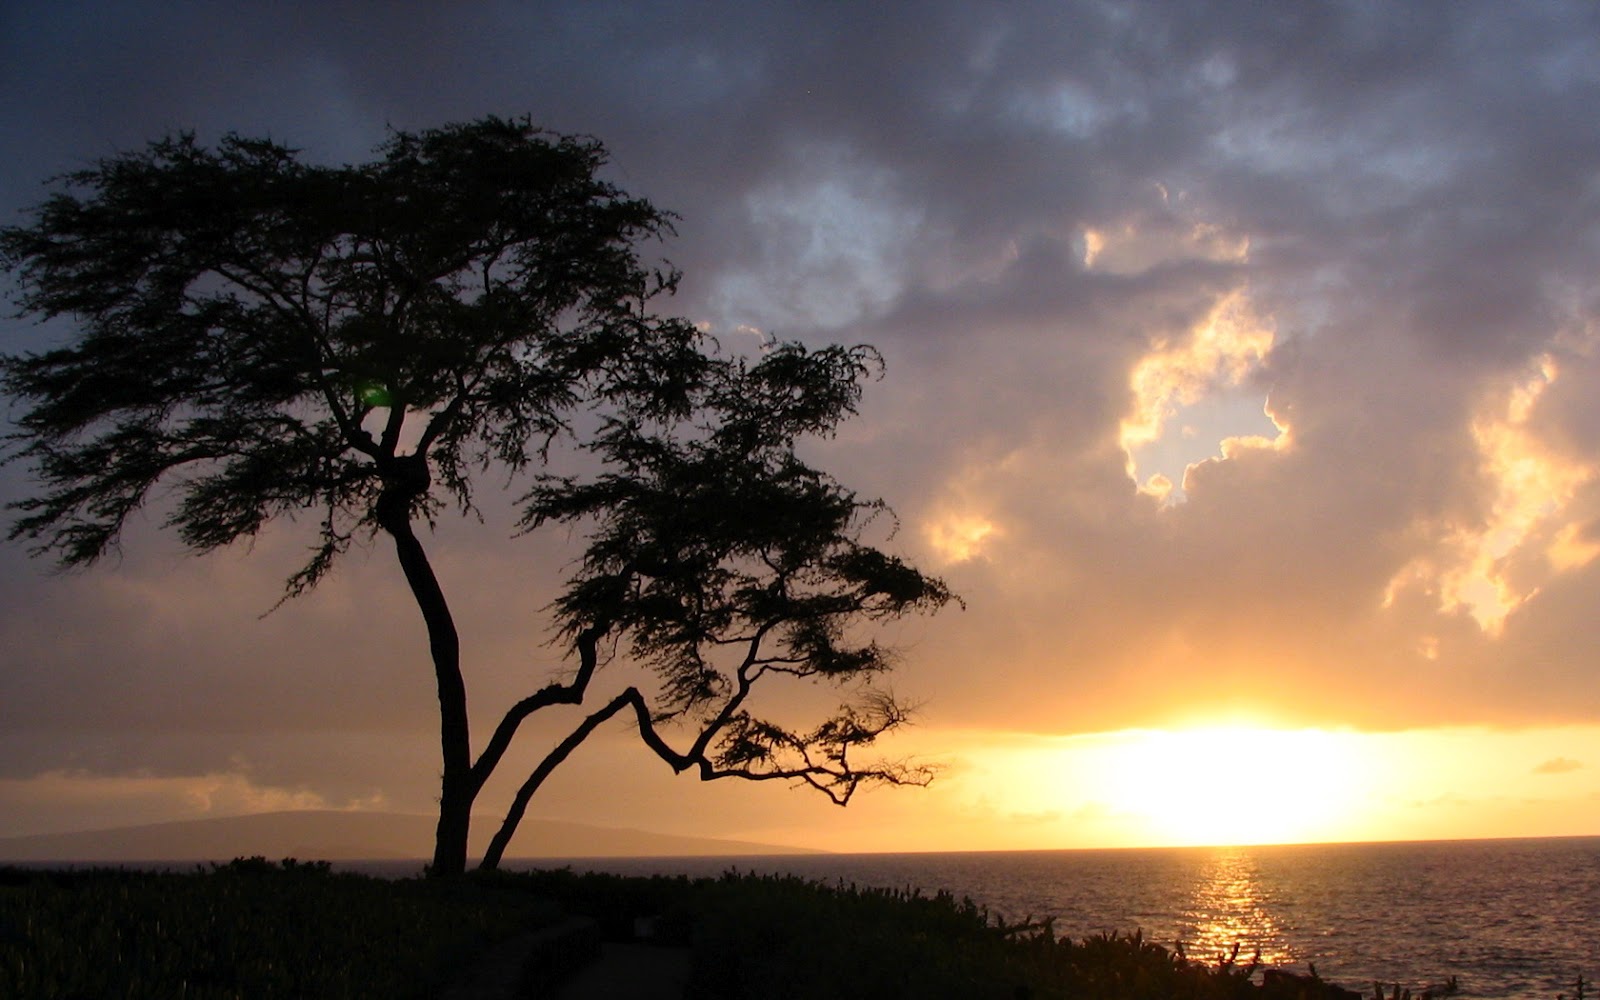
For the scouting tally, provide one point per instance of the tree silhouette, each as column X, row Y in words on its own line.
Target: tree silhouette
column 359, row 344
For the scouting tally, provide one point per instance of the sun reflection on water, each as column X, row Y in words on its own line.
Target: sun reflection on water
column 1228, row 907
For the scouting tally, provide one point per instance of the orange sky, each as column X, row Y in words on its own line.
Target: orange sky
column 1241, row 379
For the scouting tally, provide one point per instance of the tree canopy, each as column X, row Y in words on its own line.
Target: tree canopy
column 357, row 345
column 273, row 329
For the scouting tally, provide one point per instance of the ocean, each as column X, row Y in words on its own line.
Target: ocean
column 1507, row 918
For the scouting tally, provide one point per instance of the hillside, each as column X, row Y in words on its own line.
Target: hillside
column 344, row 836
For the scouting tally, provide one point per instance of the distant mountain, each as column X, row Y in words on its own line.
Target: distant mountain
column 346, row 836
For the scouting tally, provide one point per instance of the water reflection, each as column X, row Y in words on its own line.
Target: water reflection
column 1230, row 906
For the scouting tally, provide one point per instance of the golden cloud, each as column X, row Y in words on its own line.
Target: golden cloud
column 957, row 537
column 1219, row 354
column 1531, row 489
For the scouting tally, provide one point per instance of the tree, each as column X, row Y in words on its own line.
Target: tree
column 359, row 344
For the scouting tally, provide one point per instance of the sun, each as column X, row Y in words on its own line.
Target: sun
column 1233, row 784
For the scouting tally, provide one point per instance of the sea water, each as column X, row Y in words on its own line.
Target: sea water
column 1507, row 918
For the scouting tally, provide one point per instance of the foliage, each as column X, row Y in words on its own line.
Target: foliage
column 718, row 558
column 258, row 332
column 262, row 338
column 248, row 929
column 255, row 929
column 759, row 937
column 763, row 938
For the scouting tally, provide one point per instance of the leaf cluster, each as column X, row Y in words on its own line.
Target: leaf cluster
column 717, row 555
column 771, row 936
column 270, row 338
column 244, row 929
column 278, row 338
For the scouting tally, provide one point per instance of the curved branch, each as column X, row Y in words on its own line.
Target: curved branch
column 553, row 694
column 836, row 777
column 827, row 778
column 283, row 304
column 647, row 731
column 519, row 805
column 746, row 681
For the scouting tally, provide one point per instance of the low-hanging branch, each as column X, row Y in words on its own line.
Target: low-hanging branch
column 715, row 544
column 827, row 777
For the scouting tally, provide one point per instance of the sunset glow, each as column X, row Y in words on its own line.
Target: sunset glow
column 1233, row 785
column 1239, row 379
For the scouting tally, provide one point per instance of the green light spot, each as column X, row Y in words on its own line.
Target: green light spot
column 373, row 394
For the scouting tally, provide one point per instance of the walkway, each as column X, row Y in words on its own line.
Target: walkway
column 601, row 970
column 630, row 972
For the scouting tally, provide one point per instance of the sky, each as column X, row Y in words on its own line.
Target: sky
column 1240, row 357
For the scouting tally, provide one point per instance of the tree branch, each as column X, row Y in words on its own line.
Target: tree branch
column 553, row 694
column 519, row 804
column 745, row 681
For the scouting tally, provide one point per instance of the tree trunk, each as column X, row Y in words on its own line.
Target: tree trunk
column 457, row 789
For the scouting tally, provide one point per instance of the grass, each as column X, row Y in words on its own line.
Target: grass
column 786, row 938
column 247, row 929
column 261, row 930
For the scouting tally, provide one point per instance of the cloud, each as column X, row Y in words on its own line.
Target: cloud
column 65, row 801
column 1558, row 765
column 1218, row 355
column 1531, row 487
column 1326, row 273
column 958, row 537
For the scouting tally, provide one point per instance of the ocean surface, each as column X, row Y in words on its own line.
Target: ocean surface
column 1507, row 918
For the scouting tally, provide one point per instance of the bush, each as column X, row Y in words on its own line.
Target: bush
column 246, row 929
column 257, row 929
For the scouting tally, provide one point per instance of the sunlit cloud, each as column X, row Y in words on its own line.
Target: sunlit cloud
column 959, row 537
column 1158, row 486
column 1531, row 488
column 1185, row 394
column 1571, row 548
column 1559, row 765
column 1137, row 247
column 1094, row 242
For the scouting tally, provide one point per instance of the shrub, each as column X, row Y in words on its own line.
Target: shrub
column 246, row 929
